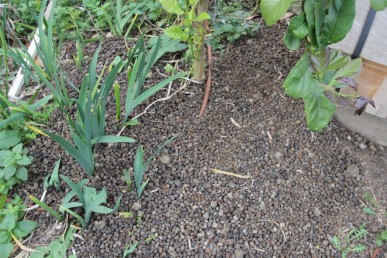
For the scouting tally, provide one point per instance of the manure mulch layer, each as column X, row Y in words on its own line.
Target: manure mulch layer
column 305, row 188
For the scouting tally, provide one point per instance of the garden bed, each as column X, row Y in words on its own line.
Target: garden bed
column 305, row 187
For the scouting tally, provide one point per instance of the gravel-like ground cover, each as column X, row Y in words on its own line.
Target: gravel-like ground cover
column 305, row 187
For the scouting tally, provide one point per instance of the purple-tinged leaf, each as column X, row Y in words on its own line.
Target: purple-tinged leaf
column 348, row 81
column 361, row 103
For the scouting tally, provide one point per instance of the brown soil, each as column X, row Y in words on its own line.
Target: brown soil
column 305, row 187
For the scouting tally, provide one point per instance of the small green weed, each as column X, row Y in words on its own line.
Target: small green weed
column 229, row 22
column 13, row 167
column 57, row 248
column 349, row 243
column 129, row 250
column 89, row 199
column 12, row 226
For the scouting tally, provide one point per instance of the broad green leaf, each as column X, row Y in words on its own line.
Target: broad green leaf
column 172, row 6
column 298, row 26
column 350, row 69
column 291, row 41
column 112, row 139
column 5, row 236
column 379, row 5
column 273, row 10
column 310, row 6
column 24, row 228
column 338, row 22
column 203, row 16
column 337, row 60
column 299, row 80
column 9, row 139
column 176, row 32
column 22, row 174
column 9, row 172
column 319, row 109
column 6, row 250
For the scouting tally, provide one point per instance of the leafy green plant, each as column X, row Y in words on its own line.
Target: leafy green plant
column 58, row 247
column 13, row 169
column 229, row 22
column 191, row 30
column 320, row 71
column 140, row 165
column 348, row 243
column 89, row 199
column 139, row 70
column 89, row 127
column 115, row 14
column 12, row 228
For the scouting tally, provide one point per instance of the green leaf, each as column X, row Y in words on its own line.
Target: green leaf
column 5, row 236
column 9, row 139
column 319, row 109
column 273, row 10
column 53, row 178
column 24, row 228
column 176, row 32
column 139, row 168
column 130, row 250
column 378, row 241
column 6, row 250
column 112, row 139
column 18, row 148
column 203, row 16
column 291, row 41
column 379, row 5
column 172, row 6
column 337, row 60
column 350, row 69
column 24, row 161
column 22, row 174
column 338, row 22
column 298, row 26
column 131, row 122
column 298, row 82
column 368, row 210
column 358, row 248
column 336, row 242
column 9, row 172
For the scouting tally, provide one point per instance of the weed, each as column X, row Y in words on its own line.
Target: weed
column 151, row 237
column 140, row 214
column 58, row 247
column 13, row 169
column 12, row 227
column 129, row 250
column 89, row 199
column 349, row 243
column 229, row 22
column 140, row 165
